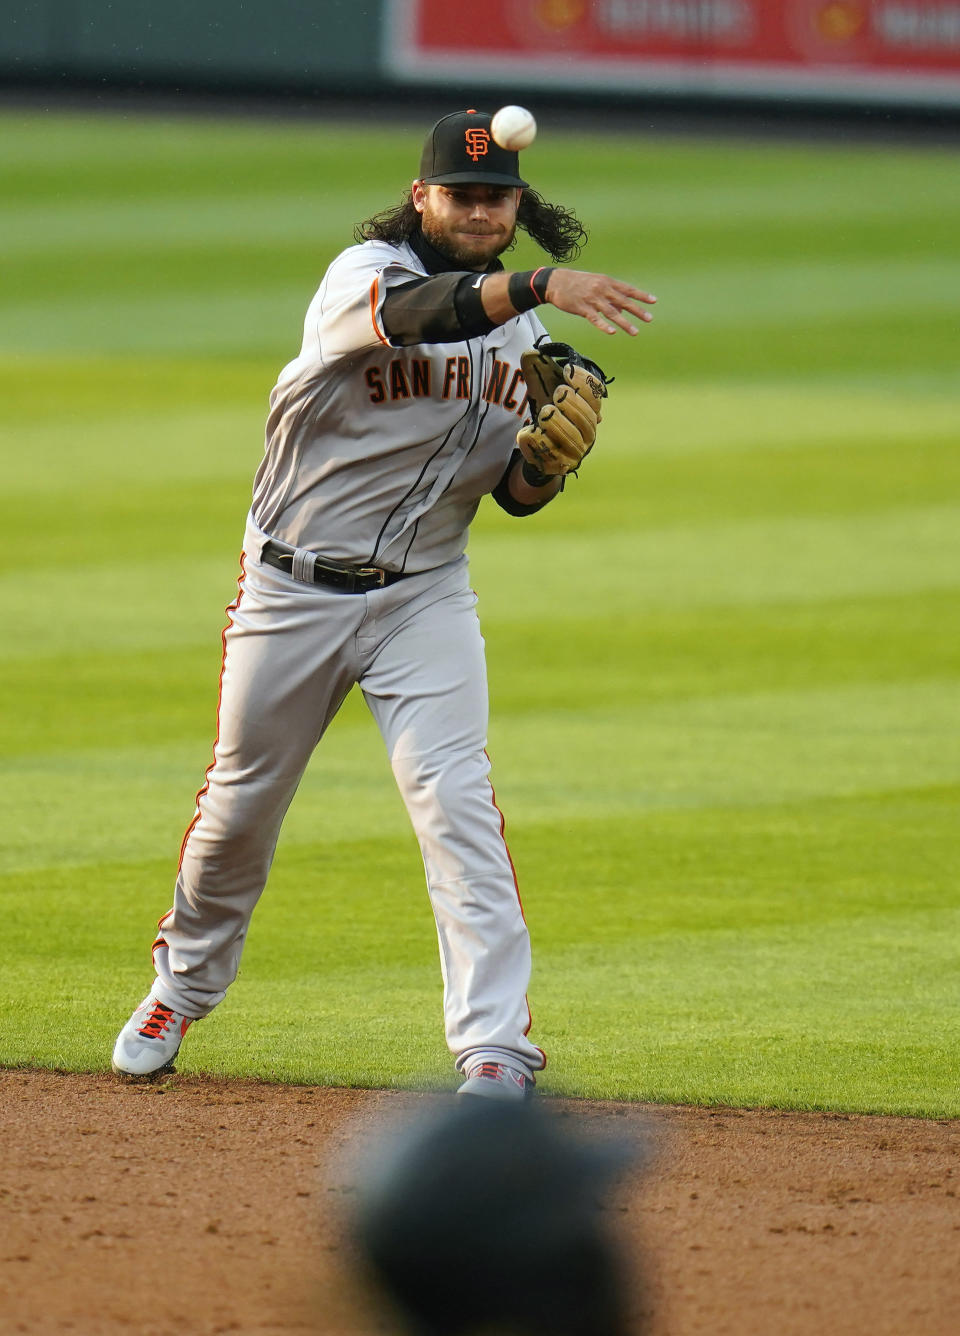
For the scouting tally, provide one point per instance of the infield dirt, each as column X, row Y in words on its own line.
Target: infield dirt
column 204, row 1206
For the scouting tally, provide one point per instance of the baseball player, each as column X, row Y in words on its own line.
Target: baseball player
column 416, row 392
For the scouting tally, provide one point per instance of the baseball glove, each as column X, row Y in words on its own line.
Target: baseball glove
column 565, row 390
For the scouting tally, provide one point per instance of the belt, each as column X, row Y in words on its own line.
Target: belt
column 350, row 579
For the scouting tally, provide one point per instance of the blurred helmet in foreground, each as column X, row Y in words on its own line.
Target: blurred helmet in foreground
column 485, row 1218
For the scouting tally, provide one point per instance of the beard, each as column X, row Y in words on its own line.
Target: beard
column 468, row 253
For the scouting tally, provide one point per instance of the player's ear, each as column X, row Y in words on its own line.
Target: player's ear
column 418, row 193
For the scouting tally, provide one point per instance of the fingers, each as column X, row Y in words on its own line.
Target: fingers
column 564, row 433
column 613, row 313
column 557, row 429
column 606, row 328
column 606, row 302
column 634, row 293
column 577, row 412
column 585, row 385
column 536, row 447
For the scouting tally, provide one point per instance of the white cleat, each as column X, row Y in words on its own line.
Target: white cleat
column 495, row 1080
column 150, row 1040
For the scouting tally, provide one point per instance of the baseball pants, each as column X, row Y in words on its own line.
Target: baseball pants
column 292, row 652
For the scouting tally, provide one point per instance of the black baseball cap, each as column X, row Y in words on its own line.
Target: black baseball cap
column 460, row 149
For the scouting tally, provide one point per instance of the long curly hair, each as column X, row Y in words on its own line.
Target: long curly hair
column 555, row 229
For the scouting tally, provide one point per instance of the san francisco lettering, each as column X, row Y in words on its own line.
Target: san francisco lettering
column 403, row 379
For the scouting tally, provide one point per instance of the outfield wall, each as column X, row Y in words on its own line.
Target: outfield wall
column 209, row 43
column 879, row 51
column 885, row 53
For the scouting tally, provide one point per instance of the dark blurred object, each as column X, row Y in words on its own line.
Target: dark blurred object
column 487, row 1217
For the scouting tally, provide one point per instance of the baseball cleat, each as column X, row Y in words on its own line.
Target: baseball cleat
column 150, row 1040
column 495, row 1080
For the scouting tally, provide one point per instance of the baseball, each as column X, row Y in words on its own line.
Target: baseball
column 513, row 128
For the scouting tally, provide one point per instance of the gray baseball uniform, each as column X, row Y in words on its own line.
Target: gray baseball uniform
column 377, row 455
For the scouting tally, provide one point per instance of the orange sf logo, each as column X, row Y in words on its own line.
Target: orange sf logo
column 478, row 141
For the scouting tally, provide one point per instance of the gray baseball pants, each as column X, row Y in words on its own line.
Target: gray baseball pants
column 292, row 652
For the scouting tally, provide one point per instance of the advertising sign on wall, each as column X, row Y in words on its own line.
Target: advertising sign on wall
column 903, row 51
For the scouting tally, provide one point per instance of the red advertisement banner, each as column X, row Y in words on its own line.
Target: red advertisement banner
column 906, row 49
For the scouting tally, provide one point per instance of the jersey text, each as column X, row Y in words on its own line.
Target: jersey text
column 400, row 380
column 401, row 386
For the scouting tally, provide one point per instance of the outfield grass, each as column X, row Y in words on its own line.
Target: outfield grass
column 723, row 667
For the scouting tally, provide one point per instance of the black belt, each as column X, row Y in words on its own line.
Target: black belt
column 351, row 579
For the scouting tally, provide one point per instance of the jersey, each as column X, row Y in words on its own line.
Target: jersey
column 377, row 454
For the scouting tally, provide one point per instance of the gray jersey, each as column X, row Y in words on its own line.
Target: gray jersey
column 379, row 455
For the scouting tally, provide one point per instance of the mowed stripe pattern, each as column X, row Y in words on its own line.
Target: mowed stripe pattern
column 723, row 666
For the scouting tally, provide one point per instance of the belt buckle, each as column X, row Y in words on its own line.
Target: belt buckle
column 377, row 571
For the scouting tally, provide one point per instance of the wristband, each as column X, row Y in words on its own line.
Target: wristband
column 533, row 477
column 528, row 289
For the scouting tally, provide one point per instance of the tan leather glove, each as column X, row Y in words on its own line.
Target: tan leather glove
column 565, row 391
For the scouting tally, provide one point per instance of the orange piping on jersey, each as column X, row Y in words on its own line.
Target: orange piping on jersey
column 374, row 293
column 223, row 664
column 503, row 823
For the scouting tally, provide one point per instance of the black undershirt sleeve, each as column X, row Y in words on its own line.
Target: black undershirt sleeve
column 442, row 308
column 501, row 493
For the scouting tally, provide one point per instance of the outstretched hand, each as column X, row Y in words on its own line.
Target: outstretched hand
column 604, row 301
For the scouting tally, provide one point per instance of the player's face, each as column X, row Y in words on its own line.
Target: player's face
column 469, row 224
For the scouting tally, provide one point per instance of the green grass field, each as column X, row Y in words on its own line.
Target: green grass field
column 724, row 667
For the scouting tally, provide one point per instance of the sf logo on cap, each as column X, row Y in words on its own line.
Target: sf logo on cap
column 477, row 141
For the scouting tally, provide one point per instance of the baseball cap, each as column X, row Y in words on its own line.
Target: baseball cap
column 461, row 149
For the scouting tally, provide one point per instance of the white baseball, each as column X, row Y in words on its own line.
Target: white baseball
column 513, row 128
